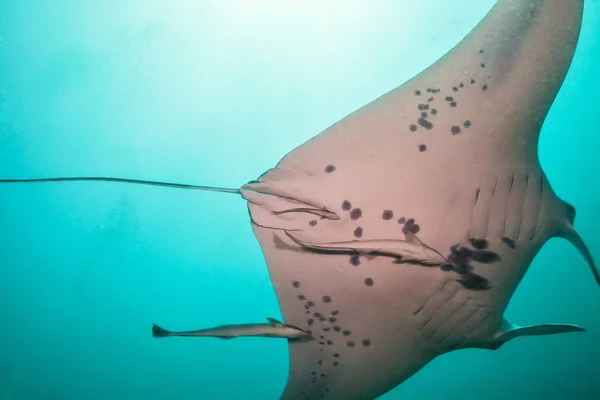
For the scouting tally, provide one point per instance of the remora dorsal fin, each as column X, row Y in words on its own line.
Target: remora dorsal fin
column 509, row 331
column 570, row 233
column 274, row 321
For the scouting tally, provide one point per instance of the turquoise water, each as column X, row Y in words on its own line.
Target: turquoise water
column 215, row 93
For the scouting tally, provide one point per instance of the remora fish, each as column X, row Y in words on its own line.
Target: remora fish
column 274, row 329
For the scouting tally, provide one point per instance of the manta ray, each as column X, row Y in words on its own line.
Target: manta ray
column 401, row 232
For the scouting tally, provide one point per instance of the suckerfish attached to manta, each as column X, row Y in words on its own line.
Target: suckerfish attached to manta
column 274, row 329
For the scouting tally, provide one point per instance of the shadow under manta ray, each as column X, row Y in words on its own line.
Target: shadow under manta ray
column 401, row 232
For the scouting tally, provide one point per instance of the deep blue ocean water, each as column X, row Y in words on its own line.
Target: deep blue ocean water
column 215, row 93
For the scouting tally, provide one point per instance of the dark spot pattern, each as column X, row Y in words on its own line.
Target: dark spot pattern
column 401, row 220
column 423, row 107
column 346, row 333
column 422, row 148
column 326, row 299
column 453, row 104
column 425, row 124
column 455, row 89
column 417, row 92
column 424, row 115
column 350, row 344
column 484, row 87
column 346, row 206
column 467, row 124
column 413, row 128
column 358, row 232
column 366, row 342
column 355, row 214
column 455, row 130
column 355, row 261
column 296, row 284
column 330, row 168
column 369, row 282
column 410, row 227
column 459, row 262
column 387, row 215
column 433, row 111
column 313, row 222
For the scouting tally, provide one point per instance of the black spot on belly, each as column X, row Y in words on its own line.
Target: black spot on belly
column 330, row 168
column 310, row 303
column 423, row 107
column 326, row 329
column 446, row 267
column 313, row 222
column 335, row 312
column 337, row 328
column 356, row 213
column 350, row 344
column 484, row 88
column 355, row 261
column 336, row 355
column 422, row 148
column 474, row 282
column 332, row 319
column 509, row 242
column 479, row 244
column 449, row 98
column 423, row 114
column 387, row 214
column 358, row 232
column 425, row 124
column 412, row 128
column 467, row 124
column 485, row 256
column 481, row 51
column 482, row 65
column 296, row 284
column 346, row 205
column 326, row 299
column 433, row 111
column 346, row 333
column 462, row 85
column 335, row 363
column 369, row 282
column 417, row 92
column 453, row 104
column 455, row 130
column 401, row 220
column 415, row 229
column 366, row 342
column 310, row 321
column 301, row 297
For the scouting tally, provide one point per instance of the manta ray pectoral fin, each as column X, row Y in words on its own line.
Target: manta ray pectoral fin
column 405, row 250
column 509, row 331
column 570, row 233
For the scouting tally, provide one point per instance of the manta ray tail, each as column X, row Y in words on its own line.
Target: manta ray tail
column 570, row 233
column 124, row 180
column 159, row 332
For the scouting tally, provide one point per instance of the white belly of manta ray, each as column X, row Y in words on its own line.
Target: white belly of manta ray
column 401, row 232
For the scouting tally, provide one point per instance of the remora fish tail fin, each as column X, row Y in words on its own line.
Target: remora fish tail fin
column 124, row 180
column 570, row 233
column 159, row 332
